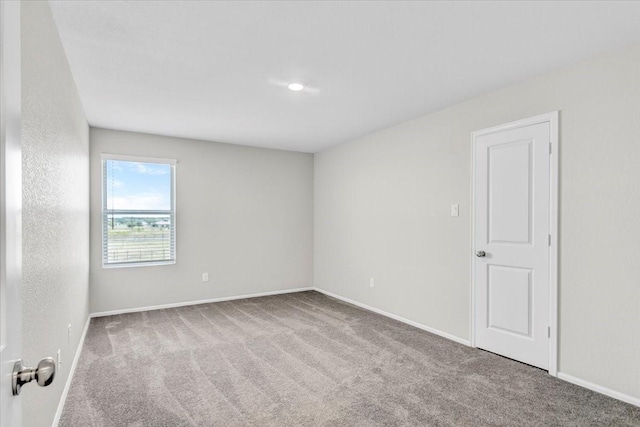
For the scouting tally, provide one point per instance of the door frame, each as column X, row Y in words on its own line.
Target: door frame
column 553, row 119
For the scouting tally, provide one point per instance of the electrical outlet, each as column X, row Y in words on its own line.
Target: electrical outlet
column 455, row 210
column 205, row 277
column 372, row 282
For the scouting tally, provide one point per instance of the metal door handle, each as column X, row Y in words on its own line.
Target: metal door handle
column 481, row 254
column 43, row 374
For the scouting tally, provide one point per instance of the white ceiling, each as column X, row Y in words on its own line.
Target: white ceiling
column 218, row 70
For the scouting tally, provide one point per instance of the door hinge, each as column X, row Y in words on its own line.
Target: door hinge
column 548, row 331
column 549, row 239
column 550, row 148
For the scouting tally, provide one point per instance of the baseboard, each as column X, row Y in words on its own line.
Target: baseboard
column 600, row 389
column 203, row 301
column 395, row 317
column 67, row 385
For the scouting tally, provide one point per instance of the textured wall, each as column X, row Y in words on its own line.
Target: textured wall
column 243, row 214
column 382, row 210
column 55, row 138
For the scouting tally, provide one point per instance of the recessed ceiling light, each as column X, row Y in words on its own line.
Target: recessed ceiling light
column 295, row 86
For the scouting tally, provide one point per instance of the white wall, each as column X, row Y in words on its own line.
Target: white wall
column 55, row 144
column 382, row 210
column 244, row 215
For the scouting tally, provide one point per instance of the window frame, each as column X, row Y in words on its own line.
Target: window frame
column 104, row 157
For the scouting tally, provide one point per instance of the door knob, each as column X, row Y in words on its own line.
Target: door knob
column 481, row 254
column 43, row 374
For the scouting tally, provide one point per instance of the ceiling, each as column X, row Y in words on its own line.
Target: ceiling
column 219, row 71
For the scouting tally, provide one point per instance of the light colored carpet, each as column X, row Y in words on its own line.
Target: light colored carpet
column 305, row 359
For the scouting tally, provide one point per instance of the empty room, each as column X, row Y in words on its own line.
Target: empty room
column 319, row 213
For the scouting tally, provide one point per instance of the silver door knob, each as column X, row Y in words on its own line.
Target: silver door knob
column 43, row 374
column 481, row 254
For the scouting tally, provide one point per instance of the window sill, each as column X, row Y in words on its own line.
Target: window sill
column 138, row 264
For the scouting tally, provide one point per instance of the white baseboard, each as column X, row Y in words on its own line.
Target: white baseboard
column 67, row 385
column 203, row 301
column 398, row 318
column 600, row 389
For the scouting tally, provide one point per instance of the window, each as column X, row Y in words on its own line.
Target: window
column 138, row 211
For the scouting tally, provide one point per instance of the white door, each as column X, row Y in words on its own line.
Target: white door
column 512, row 241
column 10, row 209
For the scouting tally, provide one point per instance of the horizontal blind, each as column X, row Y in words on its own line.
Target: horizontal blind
column 139, row 236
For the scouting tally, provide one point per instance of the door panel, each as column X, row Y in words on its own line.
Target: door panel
column 512, row 202
column 509, row 299
column 509, row 192
column 10, row 209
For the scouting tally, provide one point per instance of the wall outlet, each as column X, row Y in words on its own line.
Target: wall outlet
column 455, row 210
column 372, row 282
column 205, row 277
column 59, row 358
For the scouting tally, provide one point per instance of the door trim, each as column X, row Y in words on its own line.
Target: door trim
column 553, row 119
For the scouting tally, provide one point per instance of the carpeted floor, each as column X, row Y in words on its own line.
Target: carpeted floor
column 308, row 360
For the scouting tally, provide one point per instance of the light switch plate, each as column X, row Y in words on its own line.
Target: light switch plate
column 455, row 210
